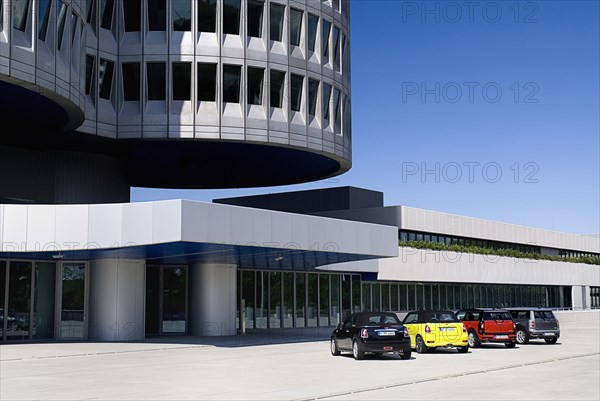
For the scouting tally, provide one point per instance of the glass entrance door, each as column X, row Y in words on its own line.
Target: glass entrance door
column 73, row 301
column 166, row 300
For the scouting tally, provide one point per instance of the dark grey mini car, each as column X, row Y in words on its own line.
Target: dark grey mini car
column 535, row 323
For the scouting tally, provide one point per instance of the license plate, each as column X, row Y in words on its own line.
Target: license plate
column 501, row 337
column 548, row 334
column 446, row 328
column 386, row 333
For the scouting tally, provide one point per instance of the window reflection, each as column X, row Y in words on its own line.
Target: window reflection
column 43, row 17
column 277, row 14
column 231, row 83
column 72, row 300
column 255, row 18
column 255, row 85
column 182, row 15
column 295, row 26
column 231, row 17
column 207, row 15
column 313, row 22
column 20, row 13
column 19, row 301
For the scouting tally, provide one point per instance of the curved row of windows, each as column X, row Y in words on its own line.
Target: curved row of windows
column 281, row 86
column 405, row 235
column 284, row 24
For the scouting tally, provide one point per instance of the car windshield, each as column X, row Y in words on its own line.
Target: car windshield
column 442, row 317
column 543, row 314
column 381, row 319
column 496, row 316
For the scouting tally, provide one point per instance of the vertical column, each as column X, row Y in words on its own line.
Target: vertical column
column 116, row 302
column 212, row 299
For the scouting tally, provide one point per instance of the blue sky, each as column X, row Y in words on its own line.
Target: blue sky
column 487, row 109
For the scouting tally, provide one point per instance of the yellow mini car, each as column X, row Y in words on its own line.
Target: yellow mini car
column 436, row 329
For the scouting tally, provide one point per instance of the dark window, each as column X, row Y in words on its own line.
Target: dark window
column 1, row 28
column 20, row 14
column 326, row 30
column 379, row 319
column 156, row 81
column 313, row 91
column 62, row 19
column 277, row 84
column 132, row 13
column 207, row 15
column 91, row 14
column 255, row 85
column 73, row 27
column 231, row 17
column 105, row 78
column 43, row 17
column 255, row 18
column 207, row 82
column 296, row 82
column 157, row 15
column 295, row 26
column 90, row 70
column 277, row 14
column 496, row 315
column 107, row 7
column 231, row 83
column 336, row 45
column 182, row 81
column 313, row 23
column 182, row 15
column 337, row 101
column 326, row 98
column 131, row 81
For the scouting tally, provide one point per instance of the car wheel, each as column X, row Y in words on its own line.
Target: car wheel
column 510, row 344
column 335, row 351
column 421, row 347
column 462, row 350
column 357, row 353
column 473, row 340
column 551, row 340
column 522, row 337
column 405, row 354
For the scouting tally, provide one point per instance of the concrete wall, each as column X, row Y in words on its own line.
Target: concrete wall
column 212, row 299
column 117, row 300
column 424, row 265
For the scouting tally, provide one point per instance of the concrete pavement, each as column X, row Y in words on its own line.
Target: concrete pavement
column 225, row 370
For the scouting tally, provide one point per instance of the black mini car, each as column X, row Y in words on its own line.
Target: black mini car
column 374, row 332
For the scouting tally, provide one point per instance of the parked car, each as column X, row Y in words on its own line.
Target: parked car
column 374, row 332
column 434, row 329
column 488, row 325
column 12, row 323
column 535, row 323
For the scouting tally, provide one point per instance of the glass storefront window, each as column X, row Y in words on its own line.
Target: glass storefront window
column 288, row 299
column 174, row 299
column 300, row 299
column 19, row 301
column 312, row 309
column 375, row 297
column 248, row 297
column 403, row 293
column 44, row 305
column 275, row 299
column 366, row 297
column 346, row 301
column 435, row 301
column 2, row 294
column 411, row 297
column 394, row 297
column 262, row 299
column 335, row 316
column 355, row 293
column 385, row 297
column 323, row 299
column 419, row 296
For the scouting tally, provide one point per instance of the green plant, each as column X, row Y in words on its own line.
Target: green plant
column 592, row 260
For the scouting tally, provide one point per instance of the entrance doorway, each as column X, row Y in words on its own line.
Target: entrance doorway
column 166, row 300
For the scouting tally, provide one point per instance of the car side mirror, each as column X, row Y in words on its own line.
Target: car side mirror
column 339, row 326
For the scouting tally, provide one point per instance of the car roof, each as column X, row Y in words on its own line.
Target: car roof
column 530, row 308
column 485, row 309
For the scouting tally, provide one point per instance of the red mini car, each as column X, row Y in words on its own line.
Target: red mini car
column 488, row 325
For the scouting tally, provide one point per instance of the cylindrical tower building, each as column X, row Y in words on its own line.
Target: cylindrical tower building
column 107, row 94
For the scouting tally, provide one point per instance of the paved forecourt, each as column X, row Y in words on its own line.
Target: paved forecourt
column 158, row 369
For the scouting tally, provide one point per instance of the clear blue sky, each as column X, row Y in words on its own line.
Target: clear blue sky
column 425, row 85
